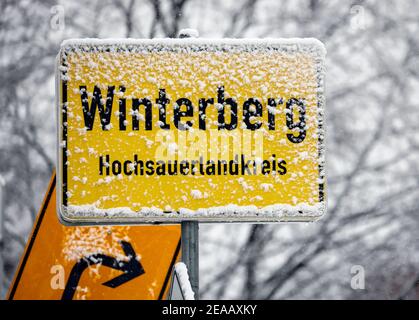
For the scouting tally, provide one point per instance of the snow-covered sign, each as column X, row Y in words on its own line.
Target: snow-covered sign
column 166, row 130
column 95, row 263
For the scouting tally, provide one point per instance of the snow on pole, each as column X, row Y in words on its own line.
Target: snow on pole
column 188, row 33
column 190, row 252
column 185, row 285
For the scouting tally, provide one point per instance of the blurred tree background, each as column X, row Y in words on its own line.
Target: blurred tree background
column 372, row 139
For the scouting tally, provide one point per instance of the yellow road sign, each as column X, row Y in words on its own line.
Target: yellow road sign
column 190, row 129
column 111, row 262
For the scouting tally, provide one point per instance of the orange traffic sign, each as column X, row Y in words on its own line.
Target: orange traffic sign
column 111, row 262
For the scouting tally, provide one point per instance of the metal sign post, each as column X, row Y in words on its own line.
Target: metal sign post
column 190, row 253
column 190, row 229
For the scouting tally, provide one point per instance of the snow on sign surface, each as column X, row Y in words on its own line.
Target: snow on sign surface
column 166, row 130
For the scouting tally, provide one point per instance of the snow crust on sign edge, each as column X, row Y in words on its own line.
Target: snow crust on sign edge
column 312, row 44
column 185, row 284
column 228, row 212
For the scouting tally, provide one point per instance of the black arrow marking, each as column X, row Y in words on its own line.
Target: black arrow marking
column 131, row 268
